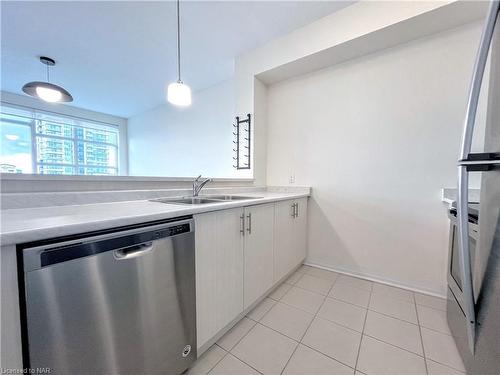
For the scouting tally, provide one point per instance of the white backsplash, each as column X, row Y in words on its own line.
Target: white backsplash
column 47, row 199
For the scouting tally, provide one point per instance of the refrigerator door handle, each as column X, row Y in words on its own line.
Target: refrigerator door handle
column 463, row 176
column 481, row 162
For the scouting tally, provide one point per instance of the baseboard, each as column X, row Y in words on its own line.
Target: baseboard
column 377, row 279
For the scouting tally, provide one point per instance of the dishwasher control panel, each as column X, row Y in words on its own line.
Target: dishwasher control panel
column 50, row 254
column 173, row 231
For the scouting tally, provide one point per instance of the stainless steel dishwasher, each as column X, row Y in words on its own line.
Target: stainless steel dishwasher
column 113, row 303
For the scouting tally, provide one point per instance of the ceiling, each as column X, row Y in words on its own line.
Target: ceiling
column 118, row 57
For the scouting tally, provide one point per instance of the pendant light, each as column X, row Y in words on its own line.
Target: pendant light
column 179, row 93
column 45, row 90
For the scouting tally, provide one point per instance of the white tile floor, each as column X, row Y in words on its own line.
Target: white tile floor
column 319, row 322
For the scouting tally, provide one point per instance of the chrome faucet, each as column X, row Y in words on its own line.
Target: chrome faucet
column 198, row 185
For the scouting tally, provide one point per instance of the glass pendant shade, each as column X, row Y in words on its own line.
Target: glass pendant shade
column 179, row 94
column 47, row 92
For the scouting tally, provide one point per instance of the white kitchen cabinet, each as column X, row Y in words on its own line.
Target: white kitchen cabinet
column 258, row 252
column 219, row 270
column 300, row 230
column 290, row 235
column 240, row 254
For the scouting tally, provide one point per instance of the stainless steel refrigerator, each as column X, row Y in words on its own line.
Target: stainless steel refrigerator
column 474, row 264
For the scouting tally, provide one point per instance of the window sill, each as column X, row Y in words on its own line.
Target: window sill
column 37, row 177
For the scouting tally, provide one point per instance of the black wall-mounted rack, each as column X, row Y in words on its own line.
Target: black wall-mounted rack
column 242, row 142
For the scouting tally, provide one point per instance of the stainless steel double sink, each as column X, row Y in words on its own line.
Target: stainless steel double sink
column 204, row 199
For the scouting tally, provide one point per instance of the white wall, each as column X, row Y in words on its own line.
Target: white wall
column 173, row 141
column 365, row 26
column 377, row 138
column 259, row 132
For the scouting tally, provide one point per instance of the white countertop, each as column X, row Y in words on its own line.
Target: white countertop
column 33, row 224
column 449, row 195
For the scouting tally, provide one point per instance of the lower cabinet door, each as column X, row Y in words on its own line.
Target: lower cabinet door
column 258, row 252
column 290, row 236
column 285, row 257
column 300, row 231
column 219, row 270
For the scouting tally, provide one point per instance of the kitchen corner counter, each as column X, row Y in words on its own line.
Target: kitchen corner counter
column 34, row 224
column 449, row 195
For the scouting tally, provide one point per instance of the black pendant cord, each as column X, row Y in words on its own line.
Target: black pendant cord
column 178, row 43
column 48, row 80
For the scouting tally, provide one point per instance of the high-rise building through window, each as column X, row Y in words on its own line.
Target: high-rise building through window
column 42, row 143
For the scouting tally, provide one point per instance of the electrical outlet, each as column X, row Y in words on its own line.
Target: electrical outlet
column 291, row 179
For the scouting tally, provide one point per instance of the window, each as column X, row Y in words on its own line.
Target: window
column 36, row 142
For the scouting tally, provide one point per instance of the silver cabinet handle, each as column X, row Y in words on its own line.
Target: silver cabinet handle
column 296, row 210
column 249, row 227
column 242, row 224
column 463, row 176
column 293, row 210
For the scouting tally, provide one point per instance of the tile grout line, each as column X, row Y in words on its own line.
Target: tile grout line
column 423, row 348
column 305, row 331
column 232, row 355
column 272, row 329
column 448, row 367
column 340, row 325
column 392, row 344
column 274, row 303
column 395, row 346
column 357, row 287
column 216, row 363
column 312, row 291
column 339, row 275
column 279, row 286
column 309, row 325
column 316, row 316
column 298, row 308
column 367, row 309
column 328, row 356
column 282, row 334
column 436, row 331
column 288, row 361
column 350, row 303
column 380, row 282
column 257, row 322
column 242, row 337
column 420, row 331
column 431, row 307
column 237, row 342
column 317, row 311
column 289, row 277
column 375, row 281
column 242, row 361
column 393, row 317
column 363, row 330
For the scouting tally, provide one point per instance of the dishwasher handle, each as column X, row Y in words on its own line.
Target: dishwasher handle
column 133, row 251
column 122, row 244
